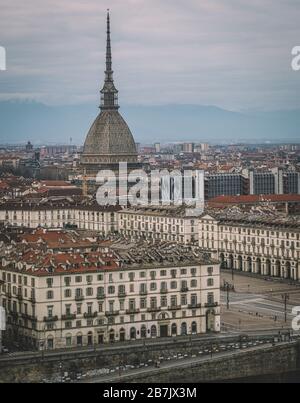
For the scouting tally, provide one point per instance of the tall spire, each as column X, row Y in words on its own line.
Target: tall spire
column 109, row 93
column 108, row 46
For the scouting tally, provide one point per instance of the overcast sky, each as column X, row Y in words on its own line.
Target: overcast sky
column 234, row 54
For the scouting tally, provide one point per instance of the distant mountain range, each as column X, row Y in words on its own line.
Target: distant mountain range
column 42, row 124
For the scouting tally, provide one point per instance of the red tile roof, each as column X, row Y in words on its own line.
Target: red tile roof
column 67, row 263
column 255, row 199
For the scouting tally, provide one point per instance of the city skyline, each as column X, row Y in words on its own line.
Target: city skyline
column 149, row 193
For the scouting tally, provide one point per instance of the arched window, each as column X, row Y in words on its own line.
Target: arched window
column 79, row 339
column 153, row 331
column 90, row 338
column 122, row 334
column 111, row 335
column 183, row 329
column 194, row 328
column 174, row 329
column 143, row 332
column 50, row 343
column 133, row 333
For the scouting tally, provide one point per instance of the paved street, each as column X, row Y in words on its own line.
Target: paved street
column 16, row 356
column 182, row 361
column 257, row 303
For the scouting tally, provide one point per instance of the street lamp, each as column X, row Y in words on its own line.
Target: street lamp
column 286, row 298
column 227, row 287
column 60, row 371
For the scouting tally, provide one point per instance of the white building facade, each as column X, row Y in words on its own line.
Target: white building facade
column 158, row 224
column 52, row 309
column 141, row 223
column 264, row 247
column 104, row 220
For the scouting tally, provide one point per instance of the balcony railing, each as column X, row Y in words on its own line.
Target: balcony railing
column 143, row 292
column 69, row 316
column 194, row 306
column 163, row 290
column 79, row 297
column 122, row 294
column 174, row 307
column 184, row 289
column 153, row 309
column 111, row 313
column 90, row 315
column 50, row 318
column 100, row 296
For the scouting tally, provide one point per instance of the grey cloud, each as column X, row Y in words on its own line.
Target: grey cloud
column 231, row 53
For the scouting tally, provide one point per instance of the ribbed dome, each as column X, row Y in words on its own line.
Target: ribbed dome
column 109, row 135
column 109, row 140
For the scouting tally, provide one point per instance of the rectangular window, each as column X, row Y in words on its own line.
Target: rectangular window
column 50, row 295
column 193, row 272
column 173, row 300
column 163, row 301
column 183, row 300
column 173, row 273
column 67, row 281
column 210, row 298
column 143, row 303
column 210, row 270
column 194, row 299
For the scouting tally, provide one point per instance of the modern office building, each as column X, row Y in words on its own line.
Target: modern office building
column 225, row 185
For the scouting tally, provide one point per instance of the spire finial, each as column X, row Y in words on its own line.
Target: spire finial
column 108, row 45
column 109, row 98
